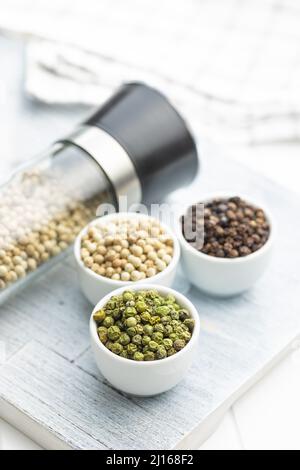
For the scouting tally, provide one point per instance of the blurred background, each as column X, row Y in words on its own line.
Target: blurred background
column 231, row 66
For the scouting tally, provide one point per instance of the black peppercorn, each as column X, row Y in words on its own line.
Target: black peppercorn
column 230, row 228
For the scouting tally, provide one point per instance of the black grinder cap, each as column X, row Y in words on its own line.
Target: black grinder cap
column 153, row 134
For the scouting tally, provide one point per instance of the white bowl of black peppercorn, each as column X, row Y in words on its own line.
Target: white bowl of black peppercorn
column 226, row 244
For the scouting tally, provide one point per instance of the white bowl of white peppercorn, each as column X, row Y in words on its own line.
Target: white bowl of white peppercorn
column 145, row 377
column 211, row 268
column 98, row 260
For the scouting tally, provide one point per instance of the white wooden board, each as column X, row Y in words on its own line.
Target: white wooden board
column 50, row 373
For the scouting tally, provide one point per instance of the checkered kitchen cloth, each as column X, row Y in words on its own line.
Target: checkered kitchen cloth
column 232, row 66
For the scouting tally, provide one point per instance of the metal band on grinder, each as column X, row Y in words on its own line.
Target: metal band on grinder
column 112, row 158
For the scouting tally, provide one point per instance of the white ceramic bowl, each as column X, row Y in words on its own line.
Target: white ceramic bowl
column 145, row 378
column 95, row 286
column 224, row 277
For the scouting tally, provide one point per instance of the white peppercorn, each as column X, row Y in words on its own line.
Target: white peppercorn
column 125, row 276
column 128, row 250
column 151, row 272
column 3, row 271
column 135, row 275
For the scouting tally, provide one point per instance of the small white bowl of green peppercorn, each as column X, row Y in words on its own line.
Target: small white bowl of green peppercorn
column 144, row 338
column 226, row 243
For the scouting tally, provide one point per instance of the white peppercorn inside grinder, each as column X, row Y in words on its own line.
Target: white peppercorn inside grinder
column 136, row 145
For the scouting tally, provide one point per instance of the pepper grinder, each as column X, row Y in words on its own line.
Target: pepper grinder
column 136, row 145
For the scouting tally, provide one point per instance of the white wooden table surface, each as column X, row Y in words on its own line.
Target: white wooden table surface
column 266, row 417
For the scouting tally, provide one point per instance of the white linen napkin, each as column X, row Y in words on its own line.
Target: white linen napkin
column 231, row 66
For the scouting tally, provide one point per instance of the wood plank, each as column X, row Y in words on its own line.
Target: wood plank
column 49, row 322
column 87, row 412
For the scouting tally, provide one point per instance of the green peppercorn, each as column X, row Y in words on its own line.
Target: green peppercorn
column 148, row 330
column 149, row 356
column 153, row 294
column 139, row 329
column 174, row 315
column 137, row 339
column 119, row 323
column 102, row 333
column 138, row 356
column 108, row 321
column 183, row 314
column 128, row 296
column 116, row 314
column 184, row 327
column 114, row 333
column 186, row 336
column 153, row 345
column 166, row 319
column 161, row 353
column 131, row 348
column 144, row 326
column 157, row 337
column 170, row 299
column 162, row 310
column 141, row 306
column 146, row 340
column 159, row 327
column 167, row 343
column 171, row 352
column 130, row 322
column 124, row 339
column 145, row 317
column 99, row 316
column 178, row 330
column 131, row 331
column 179, row 344
column 154, row 319
column 116, row 348
column 130, row 311
column 111, row 305
column 190, row 323
column 168, row 330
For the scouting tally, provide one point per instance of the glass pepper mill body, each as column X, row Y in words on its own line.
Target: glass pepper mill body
column 43, row 207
